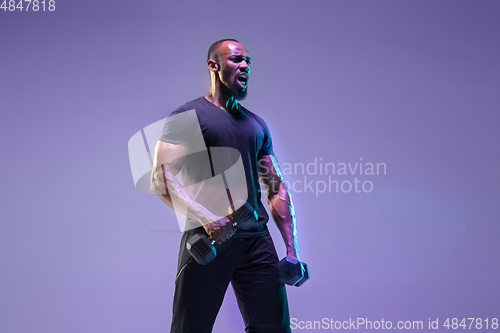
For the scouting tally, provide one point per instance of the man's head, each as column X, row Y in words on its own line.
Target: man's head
column 228, row 63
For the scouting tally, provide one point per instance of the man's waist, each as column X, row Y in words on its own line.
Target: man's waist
column 256, row 231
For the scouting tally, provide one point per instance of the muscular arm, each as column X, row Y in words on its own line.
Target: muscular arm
column 280, row 203
column 168, row 161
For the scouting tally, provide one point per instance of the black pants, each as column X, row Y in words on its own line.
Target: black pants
column 248, row 263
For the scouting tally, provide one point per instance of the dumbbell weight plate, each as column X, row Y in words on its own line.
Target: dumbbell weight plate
column 201, row 249
column 290, row 272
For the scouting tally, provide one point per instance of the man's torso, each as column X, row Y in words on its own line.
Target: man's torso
column 230, row 140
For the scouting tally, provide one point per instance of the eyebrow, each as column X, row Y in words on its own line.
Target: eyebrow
column 241, row 56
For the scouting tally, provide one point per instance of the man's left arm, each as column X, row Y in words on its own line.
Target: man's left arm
column 280, row 202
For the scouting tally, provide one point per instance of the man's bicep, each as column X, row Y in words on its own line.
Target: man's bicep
column 270, row 173
column 167, row 163
column 169, row 155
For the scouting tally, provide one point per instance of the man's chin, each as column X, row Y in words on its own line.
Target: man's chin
column 241, row 95
column 238, row 92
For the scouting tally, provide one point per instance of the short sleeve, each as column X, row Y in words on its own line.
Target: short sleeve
column 178, row 128
column 267, row 144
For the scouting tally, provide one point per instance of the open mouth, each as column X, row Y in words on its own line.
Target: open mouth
column 243, row 79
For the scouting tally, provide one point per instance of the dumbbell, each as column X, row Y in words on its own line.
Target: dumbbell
column 290, row 272
column 203, row 249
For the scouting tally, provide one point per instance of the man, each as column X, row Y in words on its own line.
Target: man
column 246, row 256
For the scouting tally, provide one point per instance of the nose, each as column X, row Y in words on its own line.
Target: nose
column 244, row 66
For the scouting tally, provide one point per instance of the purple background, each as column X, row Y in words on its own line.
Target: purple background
column 413, row 84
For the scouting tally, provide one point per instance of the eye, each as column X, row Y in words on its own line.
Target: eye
column 240, row 59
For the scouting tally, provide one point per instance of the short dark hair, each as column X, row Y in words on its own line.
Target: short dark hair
column 212, row 51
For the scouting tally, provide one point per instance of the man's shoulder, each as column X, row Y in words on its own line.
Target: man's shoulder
column 255, row 116
column 191, row 105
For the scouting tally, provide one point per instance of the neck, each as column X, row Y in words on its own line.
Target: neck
column 222, row 99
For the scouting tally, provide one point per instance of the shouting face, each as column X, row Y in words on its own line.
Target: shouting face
column 234, row 68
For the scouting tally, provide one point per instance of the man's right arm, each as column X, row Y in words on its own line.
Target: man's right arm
column 168, row 161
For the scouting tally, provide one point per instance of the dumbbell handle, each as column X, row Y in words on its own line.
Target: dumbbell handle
column 202, row 249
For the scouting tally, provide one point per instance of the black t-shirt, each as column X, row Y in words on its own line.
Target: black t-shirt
column 224, row 150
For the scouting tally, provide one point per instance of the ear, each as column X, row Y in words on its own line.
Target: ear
column 213, row 66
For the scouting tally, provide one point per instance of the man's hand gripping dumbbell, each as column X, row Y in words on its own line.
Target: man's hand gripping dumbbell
column 203, row 249
column 290, row 270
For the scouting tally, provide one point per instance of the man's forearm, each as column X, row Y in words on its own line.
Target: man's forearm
column 165, row 186
column 283, row 213
column 280, row 202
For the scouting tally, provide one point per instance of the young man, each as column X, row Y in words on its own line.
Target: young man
column 205, row 139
